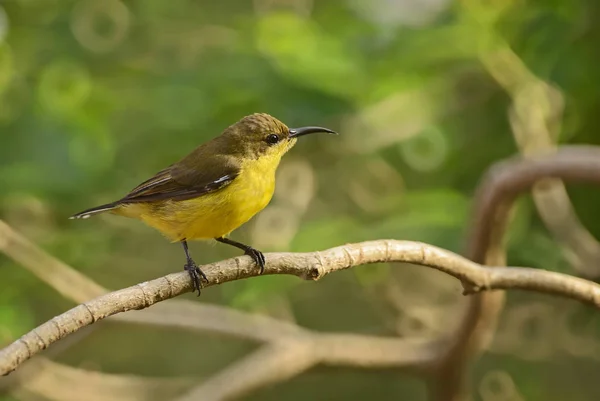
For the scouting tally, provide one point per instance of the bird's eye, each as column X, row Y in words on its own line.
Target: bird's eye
column 272, row 139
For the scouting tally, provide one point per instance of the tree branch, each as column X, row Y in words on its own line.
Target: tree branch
column 503, row 182
column 186, row 314
column 67, row 281
column 535, row 117
column 313, row 266
column 49, row 380
column 270, row 364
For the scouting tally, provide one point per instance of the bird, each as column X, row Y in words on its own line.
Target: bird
column 214, row 189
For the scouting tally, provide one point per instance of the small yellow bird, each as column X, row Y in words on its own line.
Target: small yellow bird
column 215, row 189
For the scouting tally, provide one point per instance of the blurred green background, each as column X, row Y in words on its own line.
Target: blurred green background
column 95, row 96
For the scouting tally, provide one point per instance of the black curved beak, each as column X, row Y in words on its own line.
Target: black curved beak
column 296, row 132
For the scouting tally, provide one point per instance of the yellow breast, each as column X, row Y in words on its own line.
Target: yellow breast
column 215, row 214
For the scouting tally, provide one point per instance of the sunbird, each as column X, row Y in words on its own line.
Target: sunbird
column 215, row 189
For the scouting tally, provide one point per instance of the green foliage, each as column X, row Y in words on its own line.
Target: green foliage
column 313, row 58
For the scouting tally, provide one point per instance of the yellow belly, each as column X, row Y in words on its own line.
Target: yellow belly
column 214, row 214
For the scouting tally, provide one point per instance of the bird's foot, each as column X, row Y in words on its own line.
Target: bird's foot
column 195, row 274
column 257, row 256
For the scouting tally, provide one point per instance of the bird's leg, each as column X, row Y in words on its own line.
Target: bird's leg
column 193, row 269
column 255, row 254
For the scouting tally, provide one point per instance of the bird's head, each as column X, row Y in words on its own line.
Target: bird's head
column 260, row 135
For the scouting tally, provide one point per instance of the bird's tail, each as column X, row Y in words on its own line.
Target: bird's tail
column 95, row 210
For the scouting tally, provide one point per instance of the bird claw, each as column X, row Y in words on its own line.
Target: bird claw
column 258, row 258
column 195, row 274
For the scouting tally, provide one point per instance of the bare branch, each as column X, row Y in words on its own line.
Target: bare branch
column 376, row 352
column 178, row 313
column 312, row 265
column 333, row 349
column 67, row 281
column 507, row 179
column 271, row 364
column 502, row 184
column 49, row 379
column 364, row 351
column 212, row 318
column 448, row 359
column 535, row 117
column 291, row 356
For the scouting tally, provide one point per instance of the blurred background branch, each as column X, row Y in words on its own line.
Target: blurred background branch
column 535, row 117
column 493, row 205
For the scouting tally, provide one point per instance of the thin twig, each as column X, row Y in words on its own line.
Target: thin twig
column 67, row 281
